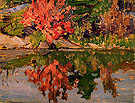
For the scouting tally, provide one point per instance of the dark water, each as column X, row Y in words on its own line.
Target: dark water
column 67, row 77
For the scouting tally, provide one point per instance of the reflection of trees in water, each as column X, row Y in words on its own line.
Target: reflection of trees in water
column 86, row 66
column 86, row 84
column 109, row 83
column 4, row 80
column 107, row 80
column 127, row 65
column 6, row 74
column 54, row 78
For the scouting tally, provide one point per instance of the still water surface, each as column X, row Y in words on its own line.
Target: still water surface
column 67, row 77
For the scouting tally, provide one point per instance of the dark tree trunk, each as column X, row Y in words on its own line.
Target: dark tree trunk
column 121, row 4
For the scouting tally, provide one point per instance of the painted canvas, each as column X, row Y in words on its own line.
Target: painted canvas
column 67, row 51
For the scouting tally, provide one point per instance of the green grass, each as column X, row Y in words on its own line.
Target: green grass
column 107, row 40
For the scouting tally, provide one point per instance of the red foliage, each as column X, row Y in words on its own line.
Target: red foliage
column 49, row 18
column 52, row 78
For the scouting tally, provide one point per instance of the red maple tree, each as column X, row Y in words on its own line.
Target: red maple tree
column 49, row 17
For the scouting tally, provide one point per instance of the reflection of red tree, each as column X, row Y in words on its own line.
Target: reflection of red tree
column 108, row 82
column 52, row 78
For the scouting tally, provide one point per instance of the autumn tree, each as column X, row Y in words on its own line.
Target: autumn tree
column 49, row 17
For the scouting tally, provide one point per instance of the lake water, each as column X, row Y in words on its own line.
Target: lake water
column 69, row 76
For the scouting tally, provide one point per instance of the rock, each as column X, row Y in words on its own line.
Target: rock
column 9, row 46
column 4, row 39
column 87, row 47
column 43, row 45
column 123, row 47
column 11, row 42
column 27, row 40
column 109, row 47
column 28, row 46
column 94, row 46
column 18, row 42
column 66, row 43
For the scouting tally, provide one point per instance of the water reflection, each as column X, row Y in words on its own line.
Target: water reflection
column 53, row 77
column 107, row 80
column 55, row 73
